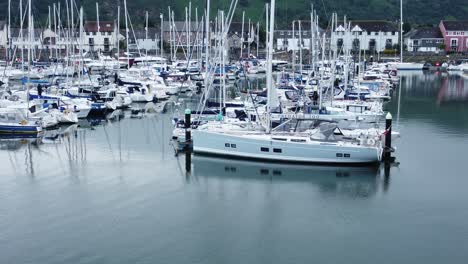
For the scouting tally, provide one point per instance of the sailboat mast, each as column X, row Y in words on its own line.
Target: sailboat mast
column 126, row 32
column 21, row 35
column 207, row 44
column 269, row 80
column 401, row 31
column 8, row 49
column 118, row 38
column 242, row 34
column 162, row 43
column 146, row 34
column 29, row 50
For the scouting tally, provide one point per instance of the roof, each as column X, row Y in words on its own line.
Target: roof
column 236, row 29
column 104, row 26
column 456, row 25
column 425, row 33
column 373, row 25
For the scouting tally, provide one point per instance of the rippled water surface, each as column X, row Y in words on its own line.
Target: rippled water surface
column 114, row 192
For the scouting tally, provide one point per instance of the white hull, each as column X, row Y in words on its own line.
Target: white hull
column 265, row 147
column 408, row 66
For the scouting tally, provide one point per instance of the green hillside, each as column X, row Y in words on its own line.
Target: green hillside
column 415, row 11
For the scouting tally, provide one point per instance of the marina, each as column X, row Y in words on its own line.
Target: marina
column 115, row 192
column 217, row 148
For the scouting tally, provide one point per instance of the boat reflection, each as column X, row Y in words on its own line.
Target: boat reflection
column 346, row 181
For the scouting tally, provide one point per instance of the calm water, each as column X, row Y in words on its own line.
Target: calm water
column 114, row 192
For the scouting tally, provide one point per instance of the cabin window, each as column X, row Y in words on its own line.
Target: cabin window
column 347, row 155
column 233, row 146
column 339, row 155
column 279, row 139
column 277, row 150
column 264, row 171
column 276, row 172
column 263, row 149
column 227, row 145
column 297, row 140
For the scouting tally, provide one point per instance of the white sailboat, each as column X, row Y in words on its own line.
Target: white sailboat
column 324, row 145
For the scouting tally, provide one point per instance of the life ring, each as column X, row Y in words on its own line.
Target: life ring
column 371, row 141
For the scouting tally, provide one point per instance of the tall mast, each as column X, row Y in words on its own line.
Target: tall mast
column 222, row 59
column 146, row 33
column 118, row 37
column 401, row 31
column 81, row 45
column 258, row 36
column 97, row 18
column 29, row 50
column 207, row 47
column 248, row 42
column 21, row 35
column 8, row 49
column 126, row 32
column 170, row 30
column 162, row 43
column 189, row 28
column 300, row 49
column 269, row 81
column 242, row 34
column 55, row 30
column 294, row 50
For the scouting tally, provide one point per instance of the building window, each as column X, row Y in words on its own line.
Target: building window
column 372, row 44
column 388, row 44
column 368, row 33
column 265, row 149
column 393, row 33
column 376, row 33
column 339, row 43
column 454, row 42
column 277, row 150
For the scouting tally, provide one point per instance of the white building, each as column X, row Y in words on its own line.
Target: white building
column 374, row 36
column 147, row 39
column 289, row 39
column 100, row 37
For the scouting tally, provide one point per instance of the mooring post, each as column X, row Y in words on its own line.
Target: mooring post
column 188, row 126
column 388, row 137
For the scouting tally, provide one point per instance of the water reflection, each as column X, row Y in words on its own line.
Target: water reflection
column 358, row 182
column 442, row 86
column 75, row 149
column 436, row 98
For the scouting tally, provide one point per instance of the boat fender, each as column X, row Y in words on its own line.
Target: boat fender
column 23, row 122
